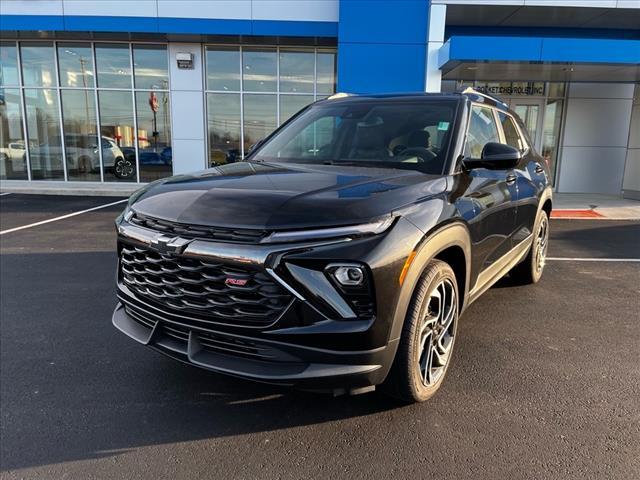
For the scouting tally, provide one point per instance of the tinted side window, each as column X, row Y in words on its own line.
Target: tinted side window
column 511, row 134
column 482, row 130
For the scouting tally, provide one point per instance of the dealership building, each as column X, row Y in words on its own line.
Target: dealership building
column 105, row 95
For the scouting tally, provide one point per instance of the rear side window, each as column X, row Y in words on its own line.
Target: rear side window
column 511, row 134
column 482, row 130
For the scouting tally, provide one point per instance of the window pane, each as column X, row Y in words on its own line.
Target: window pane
column 43, row 134
column 38, row 64
column 154, row 135
column 8, row 63
column 150, row 67
column 482, row 130
column 114, row 65
column 259, row 70
column 80, row 135
column 326, row 73
column 13, row 165
column 223, row 68
column 551, row 134
column 116, row 129
column 556, row 90
column 292, row 104
column 76, row 65
column 223, row 120
column 510, row 131
column 259, row 118
column 296, row 71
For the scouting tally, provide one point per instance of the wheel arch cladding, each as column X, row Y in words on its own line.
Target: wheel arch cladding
column 450, row 243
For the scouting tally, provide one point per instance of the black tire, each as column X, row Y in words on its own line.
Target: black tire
column 407, row 381
column 530, row 270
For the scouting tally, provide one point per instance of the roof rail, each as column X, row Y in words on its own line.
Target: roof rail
column 337, row 95
column 473, row 91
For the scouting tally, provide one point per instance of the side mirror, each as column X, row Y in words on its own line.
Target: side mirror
column 495, row 156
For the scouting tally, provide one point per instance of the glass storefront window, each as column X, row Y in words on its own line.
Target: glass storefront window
column 259, row 70
column 114, row 65
column 117, row 129
column 38, row 65
column 154, row 135
column 13, row 161
column 223, row 68
column 223, row 122
column 326, row 72
column 551, row 134
column 80, row 135
column 8, row 64
column 292, row 104
column 75, row 63
column 296, row 71
column 259, row 118
column 150, row 67
column 43, row 134
column 556, row 90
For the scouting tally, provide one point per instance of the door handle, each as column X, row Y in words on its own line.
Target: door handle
column 539, row 169
column 511, row 178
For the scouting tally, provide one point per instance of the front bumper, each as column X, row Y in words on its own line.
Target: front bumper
column 308, row 346
column 255, row 358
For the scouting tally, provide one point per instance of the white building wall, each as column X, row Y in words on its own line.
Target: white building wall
column 301, row 10
column 631, row 182
column 596, row 133
column 187, row 110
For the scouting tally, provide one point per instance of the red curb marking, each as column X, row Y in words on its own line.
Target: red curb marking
column 575, row 214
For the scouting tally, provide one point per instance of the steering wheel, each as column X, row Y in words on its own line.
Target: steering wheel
column 423, row 154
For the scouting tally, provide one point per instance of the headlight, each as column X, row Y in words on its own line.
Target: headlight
column 372, row 228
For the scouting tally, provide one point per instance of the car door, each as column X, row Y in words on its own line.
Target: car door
column 491, row 192
column 531, row 177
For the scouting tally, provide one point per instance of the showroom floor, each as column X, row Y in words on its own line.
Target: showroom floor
column 545, row 381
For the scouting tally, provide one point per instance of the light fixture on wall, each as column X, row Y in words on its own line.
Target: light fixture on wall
column 184, row 60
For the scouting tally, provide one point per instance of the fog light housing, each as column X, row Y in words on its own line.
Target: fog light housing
column 348, row 275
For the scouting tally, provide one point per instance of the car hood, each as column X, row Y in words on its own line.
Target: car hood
column 277, row 196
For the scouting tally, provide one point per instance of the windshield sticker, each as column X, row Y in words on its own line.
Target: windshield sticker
column 443, row 126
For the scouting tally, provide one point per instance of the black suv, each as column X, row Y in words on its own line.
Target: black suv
column 340, row 254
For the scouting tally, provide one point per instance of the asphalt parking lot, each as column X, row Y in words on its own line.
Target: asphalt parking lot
column 545, row 382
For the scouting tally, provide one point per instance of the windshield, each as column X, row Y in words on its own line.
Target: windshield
column 405, row 135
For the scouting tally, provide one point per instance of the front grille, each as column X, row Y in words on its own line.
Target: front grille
column 233, row 235
column 210, row 341
column 200, row 288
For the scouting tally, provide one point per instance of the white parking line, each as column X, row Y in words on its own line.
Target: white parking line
column 62, row 217
column 583, row 259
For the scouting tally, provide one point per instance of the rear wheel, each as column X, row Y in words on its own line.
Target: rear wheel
column 530, row 269
column 428, row 336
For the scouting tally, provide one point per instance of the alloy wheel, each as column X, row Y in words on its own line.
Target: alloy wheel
column 124, row 168
column 437, row 332
column 541, row 245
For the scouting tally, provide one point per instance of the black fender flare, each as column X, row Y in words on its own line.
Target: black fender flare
column 451, row 235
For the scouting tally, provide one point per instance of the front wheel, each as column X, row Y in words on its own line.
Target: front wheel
column 530, row 269
column 428, row 336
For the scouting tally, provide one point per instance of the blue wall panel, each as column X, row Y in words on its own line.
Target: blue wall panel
column 566, row 50
column 163, row 25
column 382, row 45
column 382, row 68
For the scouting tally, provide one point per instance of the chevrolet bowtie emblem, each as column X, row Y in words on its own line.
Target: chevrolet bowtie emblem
column 166, row 244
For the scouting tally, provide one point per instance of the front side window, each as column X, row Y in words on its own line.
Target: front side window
column 482, row 130
column 404, row 135
column 511, row 134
